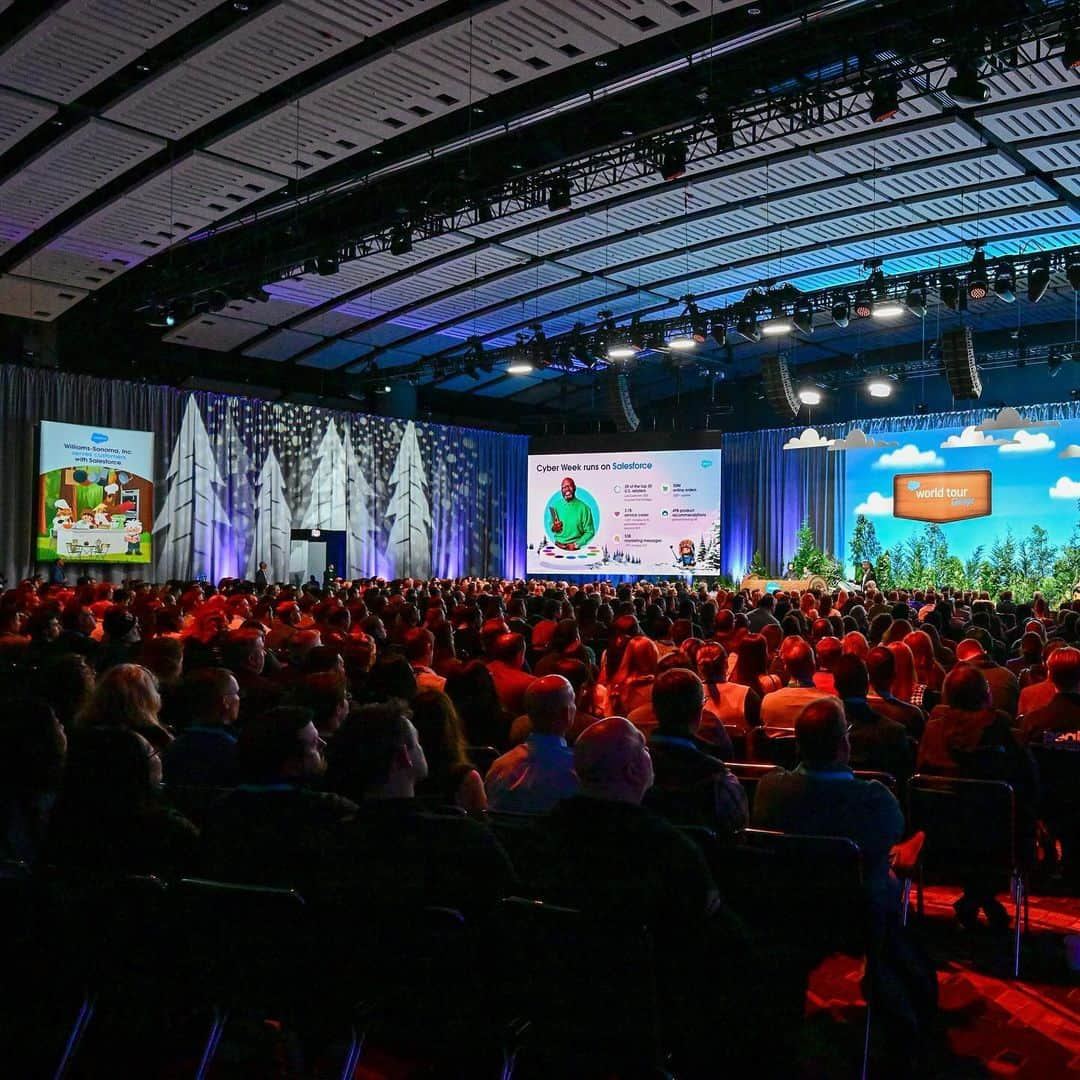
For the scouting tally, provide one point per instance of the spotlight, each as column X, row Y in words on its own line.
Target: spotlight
column 977, row 281
column 311, row 266
column 478, row 357
column 520, row 364
column 747, row 326
column 327, row 264
column 400, row 240
column 1038, row 277
column 622, row 345
column 1005, row 282
column 539, row 349
column 803, row 317
column 879, row 388
column 841, row 313
column 915, row 300
column 724, row 131
column 719, row 331
column 484, row 213
column 681, row 342
column 884, row 100
column 699, row 325
column 888, row 309
column 810, row 395
column 217, row 300
column 673, row 164
column 864, row 303
column 949, row 292
column 1070, row 56
column 559, row 194
column 777, row 326
column 1072, row 269
column 876, row 282
column 170, row 318
column 964, row 87
column 1053, row 363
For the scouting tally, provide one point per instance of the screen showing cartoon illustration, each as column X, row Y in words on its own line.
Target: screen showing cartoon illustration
column 984, row 506
column 634, row 513
column 96, row 494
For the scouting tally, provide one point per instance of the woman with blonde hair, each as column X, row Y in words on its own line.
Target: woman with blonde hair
column 127, row 696
column 904, row 681
column 726, row 703
column 927, row 669
column 632, row 684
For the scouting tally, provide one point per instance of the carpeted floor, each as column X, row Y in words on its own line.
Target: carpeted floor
column 992, row 1025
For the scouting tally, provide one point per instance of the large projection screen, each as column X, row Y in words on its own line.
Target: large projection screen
column 95, row 494
column 627, row 513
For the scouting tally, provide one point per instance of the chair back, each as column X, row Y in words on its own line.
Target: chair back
column 749, row 773
column 245, row 945
column 193, row 801
column 881, row 777
column 737, row 736
column 778, row 747
column 482, row 757
column 799, row 890
column 517, row 835
column 970, row 825
column 587, row 984
column 1059, row 781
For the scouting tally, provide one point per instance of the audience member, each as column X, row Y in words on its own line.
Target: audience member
column 780, row 708
column 204, row 753
column 1061, row 715
column 451, row 777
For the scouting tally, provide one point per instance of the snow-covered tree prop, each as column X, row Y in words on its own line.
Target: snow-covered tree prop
column 326, row 508
column 408, row 549
column 192, row 513
column 359, row 541
column 273, row 523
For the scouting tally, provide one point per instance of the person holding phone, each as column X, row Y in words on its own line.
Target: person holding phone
column 571, row 523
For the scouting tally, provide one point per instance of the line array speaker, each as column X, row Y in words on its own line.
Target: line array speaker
column 620, row 407
column 778, row 389
column 958, row 359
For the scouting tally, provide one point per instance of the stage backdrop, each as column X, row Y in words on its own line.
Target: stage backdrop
column 236, row 475
column 768, row 492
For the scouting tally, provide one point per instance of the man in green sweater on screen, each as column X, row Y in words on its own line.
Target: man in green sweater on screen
column 571, row 524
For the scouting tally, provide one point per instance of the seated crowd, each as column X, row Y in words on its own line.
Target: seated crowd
column 315, row 738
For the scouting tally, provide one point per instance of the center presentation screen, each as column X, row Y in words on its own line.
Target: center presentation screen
column 649, row 513
column 96, row 494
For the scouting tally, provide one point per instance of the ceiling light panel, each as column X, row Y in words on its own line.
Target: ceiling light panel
column 71, row 51
column 69, row 170
column 41, row 301
column 19, row 115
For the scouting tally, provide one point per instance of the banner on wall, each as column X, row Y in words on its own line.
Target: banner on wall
column 95, row 494
column 624, row 513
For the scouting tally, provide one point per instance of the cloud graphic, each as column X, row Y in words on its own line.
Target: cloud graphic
column 1065, row 489
column 1008, row 419
column 1072, row 450
column 909, row 456
column 913, row 485
column 857, row 439
column 807, row 440
column 971, row 436
column 1024, row 442
column 876, row 505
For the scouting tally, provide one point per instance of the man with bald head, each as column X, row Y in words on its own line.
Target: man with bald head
column 780, row 708
column 533, row 776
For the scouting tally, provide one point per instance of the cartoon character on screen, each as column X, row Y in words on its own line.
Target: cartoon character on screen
column 102, row 520
column 133, row 536
column 62, row 517
column 87, row 520
column 685, row 558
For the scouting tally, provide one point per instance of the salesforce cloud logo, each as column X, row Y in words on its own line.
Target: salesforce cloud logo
column 98, row 437
column 706, row 463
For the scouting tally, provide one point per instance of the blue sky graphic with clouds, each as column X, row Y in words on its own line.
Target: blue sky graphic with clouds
column 1035, row 470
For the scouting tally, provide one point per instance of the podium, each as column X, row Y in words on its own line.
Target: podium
column 803, row 584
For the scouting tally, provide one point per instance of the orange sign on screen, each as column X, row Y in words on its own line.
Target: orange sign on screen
column 941, row 497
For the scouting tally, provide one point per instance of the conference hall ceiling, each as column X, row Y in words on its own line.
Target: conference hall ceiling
column 337, row 196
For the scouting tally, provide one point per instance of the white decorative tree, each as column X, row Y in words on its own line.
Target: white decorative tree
column 359, row 543
column 241, row 498
column 326, row 507
column 192, row 512
column 408, row 549
column 273, row 523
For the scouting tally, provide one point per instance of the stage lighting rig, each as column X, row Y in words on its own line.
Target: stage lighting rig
column 915, row 299
column 1070, row 55
column 884, row 99
column 747, row 325
column 864, row 302
column 949, row 292
column 719, row 331
column 673, row 163
column 841, row 313
column 978, row 284
column 400, row 240
column 1072, row 269
column 1038, row 277
column 723, row 129
column 559, row 195
column 965, row 87
column 699, row 325
column 1005, row 282
column 803, row 316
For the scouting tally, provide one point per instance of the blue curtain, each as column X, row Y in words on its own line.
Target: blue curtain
column 462, row 490
column 767, row 492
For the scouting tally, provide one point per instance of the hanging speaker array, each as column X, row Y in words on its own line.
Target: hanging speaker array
column 778, row 389
column 620, row 407
column 958, row 359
